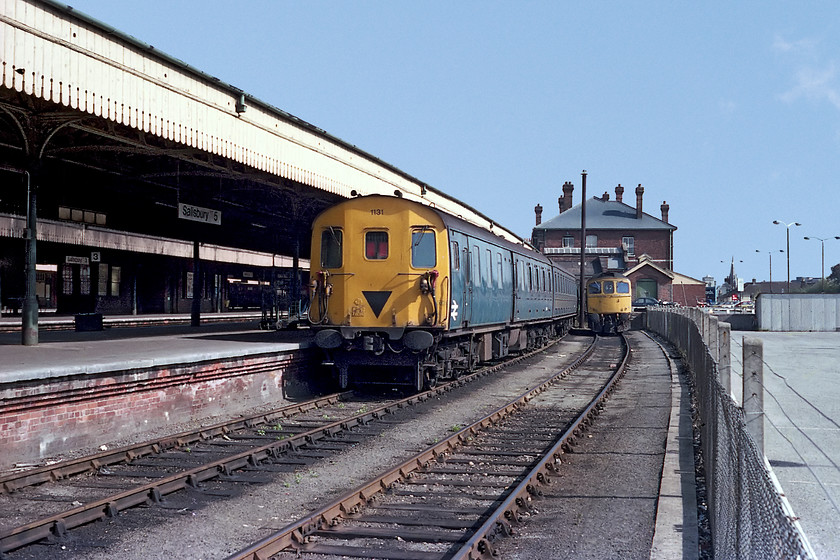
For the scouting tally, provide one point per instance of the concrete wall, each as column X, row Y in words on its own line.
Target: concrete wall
column 798, row 312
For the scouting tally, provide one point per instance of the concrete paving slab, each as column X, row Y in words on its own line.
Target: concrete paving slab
column 802, row 425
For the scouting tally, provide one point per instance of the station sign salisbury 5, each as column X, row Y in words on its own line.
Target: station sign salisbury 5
column 199, row 214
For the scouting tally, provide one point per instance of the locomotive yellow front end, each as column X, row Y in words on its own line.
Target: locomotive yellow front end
column 379, row 288
column 608, row 302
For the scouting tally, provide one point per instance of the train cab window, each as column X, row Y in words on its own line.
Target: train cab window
column 499, row 277
column 423, row 252
column 594, row 287
column 331, row 242
column 376, row 245
column 609, row 288
column 622, row 287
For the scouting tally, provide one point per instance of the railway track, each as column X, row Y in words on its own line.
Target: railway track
column 43, row 504
column 454, row 499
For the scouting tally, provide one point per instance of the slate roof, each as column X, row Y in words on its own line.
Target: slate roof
column 605, row 214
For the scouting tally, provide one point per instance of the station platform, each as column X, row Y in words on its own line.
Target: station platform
column 802, row 425
column 73, row 389
column 132, row 341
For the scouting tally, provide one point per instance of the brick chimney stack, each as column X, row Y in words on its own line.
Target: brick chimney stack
column 566, row 200
column 619, row 193
column 538, row 212
column 640, row 190
column 664, row 208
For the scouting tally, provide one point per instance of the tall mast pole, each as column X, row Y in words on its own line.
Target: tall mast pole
column 582, row 287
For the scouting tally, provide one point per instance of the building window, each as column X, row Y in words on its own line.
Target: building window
column 629, row 244
column 376, row 245
column 115, row 280
column 84, row 279
column 67, row 279
column 102, row 280
column 568, row 241
column 591, row 240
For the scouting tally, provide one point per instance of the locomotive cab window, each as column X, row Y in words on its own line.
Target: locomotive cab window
column 594, row 287
column 622, row 287
column 609, row 288
column 423, row 251
column 376, row 245
column 331, row 243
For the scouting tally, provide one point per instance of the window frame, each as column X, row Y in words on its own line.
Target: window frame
column 373, row 239
column 336, row 234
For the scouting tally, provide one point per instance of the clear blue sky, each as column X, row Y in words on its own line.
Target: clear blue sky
column 730, row 111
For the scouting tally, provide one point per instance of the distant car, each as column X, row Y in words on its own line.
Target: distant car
column 745, row 307
column 640, row 304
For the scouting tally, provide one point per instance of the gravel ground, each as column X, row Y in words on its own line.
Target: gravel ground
column 604, row 505
column 221, row 527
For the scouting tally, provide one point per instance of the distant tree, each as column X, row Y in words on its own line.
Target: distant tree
column 835, row 273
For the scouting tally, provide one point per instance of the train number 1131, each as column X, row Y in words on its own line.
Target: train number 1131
column 377, row 212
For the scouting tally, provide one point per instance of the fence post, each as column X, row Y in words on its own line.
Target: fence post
column 754, row 389
column 725, row 361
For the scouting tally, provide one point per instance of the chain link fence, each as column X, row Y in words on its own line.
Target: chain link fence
column 747, row 516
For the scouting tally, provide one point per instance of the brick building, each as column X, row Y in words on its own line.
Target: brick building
column 621, row 238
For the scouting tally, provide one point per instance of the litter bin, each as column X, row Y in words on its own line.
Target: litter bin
column 88, row 322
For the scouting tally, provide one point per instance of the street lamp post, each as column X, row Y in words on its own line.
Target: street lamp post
column 770, row 254
column 822, row 246
column 787, row 226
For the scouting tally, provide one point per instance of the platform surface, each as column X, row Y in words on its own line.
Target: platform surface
column 66, row 352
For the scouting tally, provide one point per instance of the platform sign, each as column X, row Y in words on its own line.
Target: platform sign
column 199, row 214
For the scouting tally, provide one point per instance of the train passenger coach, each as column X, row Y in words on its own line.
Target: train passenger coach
column 406, row 295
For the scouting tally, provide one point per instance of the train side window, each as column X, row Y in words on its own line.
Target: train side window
column 545, row 286
column 331, row 244
column 609, row 288
column 622, row 287
column 500, row 281
column 475, row 256
column 456, row 256
column 423, row 252
column 376, row 245
column 594, row 287
column 488, row 266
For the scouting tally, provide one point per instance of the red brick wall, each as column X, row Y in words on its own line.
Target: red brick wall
column 42, row 418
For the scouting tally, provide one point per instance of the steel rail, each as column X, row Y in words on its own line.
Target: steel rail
column 295, row 534
column 57, row 525
column 479, row 546
column 90, row 463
